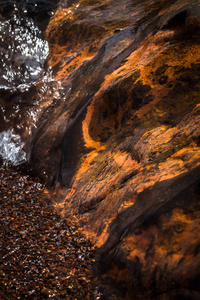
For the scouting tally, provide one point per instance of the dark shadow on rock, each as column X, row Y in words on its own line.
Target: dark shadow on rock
column 72, row 148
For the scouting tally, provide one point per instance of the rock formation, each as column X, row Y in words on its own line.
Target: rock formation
column 118, row 133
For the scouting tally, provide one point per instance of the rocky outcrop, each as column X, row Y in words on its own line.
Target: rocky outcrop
column 129, row 129
column 118, row 134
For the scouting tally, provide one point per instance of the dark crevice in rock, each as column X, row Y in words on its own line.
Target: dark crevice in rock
column 72, row 147
column 177, row 20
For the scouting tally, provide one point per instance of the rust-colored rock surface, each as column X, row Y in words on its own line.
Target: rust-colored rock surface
column 118, row 133
column 129, row 128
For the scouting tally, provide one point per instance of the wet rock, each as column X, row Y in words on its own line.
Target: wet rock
column 159, row 235
column 118, row 134
column 142, row 119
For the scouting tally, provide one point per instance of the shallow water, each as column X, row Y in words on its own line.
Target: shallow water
column 23, row 52
column 11, row 148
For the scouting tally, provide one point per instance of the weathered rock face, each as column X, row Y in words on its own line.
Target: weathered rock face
column 153, row 247
column 118, row 132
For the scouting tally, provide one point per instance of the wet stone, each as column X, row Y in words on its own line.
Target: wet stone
column 41, row 255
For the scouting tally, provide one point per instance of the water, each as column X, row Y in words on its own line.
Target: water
column 11, row 148
column 23, row 53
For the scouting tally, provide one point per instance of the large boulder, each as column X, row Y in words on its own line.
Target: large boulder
column 118, row 133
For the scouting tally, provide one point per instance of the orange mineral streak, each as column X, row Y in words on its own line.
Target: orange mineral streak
column 146, row 53
column 89, row 142
column 158, row 137
column 156, row 140
column 78, row 60
column 161, row 244
column 141, row 129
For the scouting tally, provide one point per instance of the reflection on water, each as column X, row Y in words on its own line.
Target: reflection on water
column 11, row 148
column 22, row 51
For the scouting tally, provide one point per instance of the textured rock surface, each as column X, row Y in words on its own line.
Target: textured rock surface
column 119, row 135
column 129, row 128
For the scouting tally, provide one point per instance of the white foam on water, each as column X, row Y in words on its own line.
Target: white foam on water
column 11, row 148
